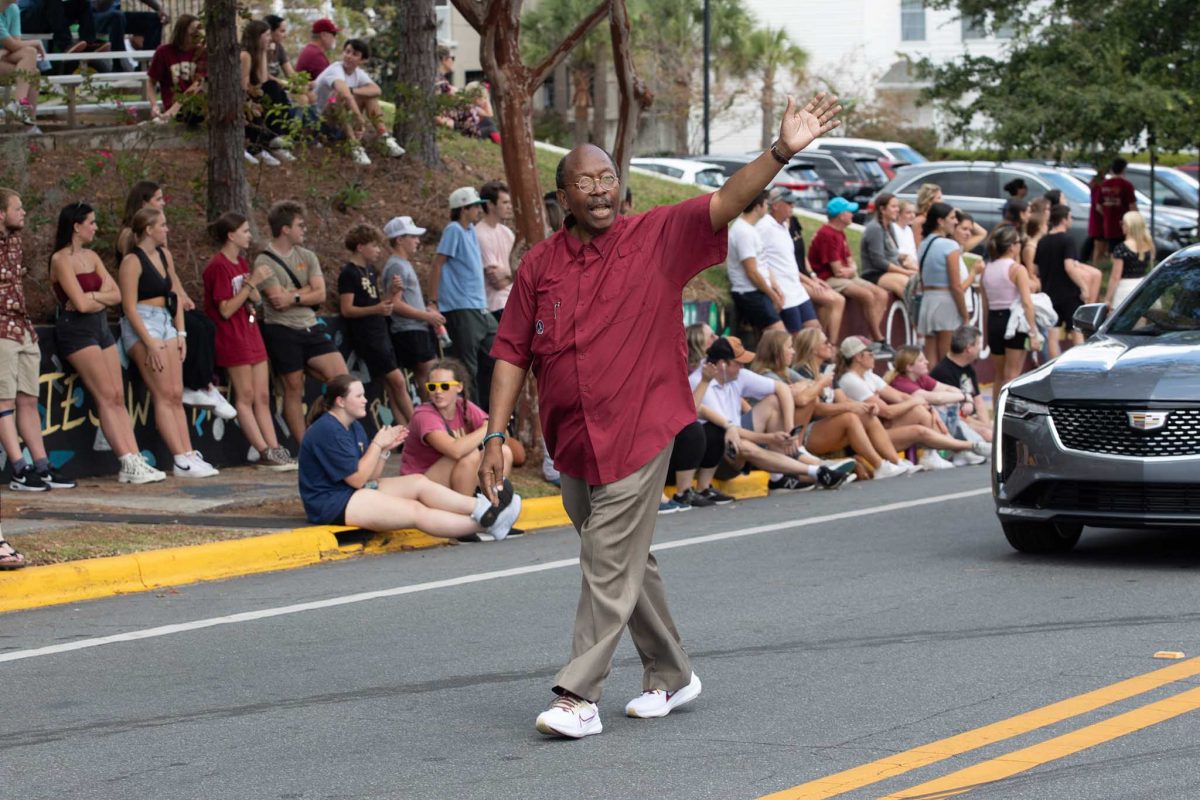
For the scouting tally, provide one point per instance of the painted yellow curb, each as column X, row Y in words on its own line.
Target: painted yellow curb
column 91, row 578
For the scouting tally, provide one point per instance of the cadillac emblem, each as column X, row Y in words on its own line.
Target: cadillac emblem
column 1147, row 420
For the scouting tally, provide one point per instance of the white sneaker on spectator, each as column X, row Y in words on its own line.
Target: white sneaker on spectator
column 967, row 459
column 250, row 159
column 252, row 455
column 282, row 154
column 659, row 703
column 889, row 470
column 931, row 461
column 193, row 465
column 134, row 469
column 21, row 112
column 359, row 156
column 220, row 406
column 982, row 448
column 570, row 716
column 266, row 158
column 278, row 459
column 912, row 468
column 506, row 519
column 195, row 397
column 391, row 146
column 279, row 143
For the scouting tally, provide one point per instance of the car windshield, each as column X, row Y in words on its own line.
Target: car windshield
column 1072, row 188
column 1181, row 183
column 1168, row 300
column 906, row 153
column 710, row 177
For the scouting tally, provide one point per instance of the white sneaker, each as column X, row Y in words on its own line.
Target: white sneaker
column 134, row 469
column 982, row 448
column 932, row 461
column 195, row 397
column 889, row 470
column 252, row 455
column 966, row 458
column 194, row 466
column 220, row 406
column 269, row 160
column 659, row 702
column 391, row 146
column 283, row 154
column 569, row 716
column 250, row 159
column 506, row 519
column 911, row 468
column 278, row 459
column 279, row 143
column 359, row 156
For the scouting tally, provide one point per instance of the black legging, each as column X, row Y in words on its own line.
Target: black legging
column 714, row 445
column 200, row 361
column 276, row 108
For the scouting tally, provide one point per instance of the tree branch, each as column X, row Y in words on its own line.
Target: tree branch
column 474, row 11
column 550, row 62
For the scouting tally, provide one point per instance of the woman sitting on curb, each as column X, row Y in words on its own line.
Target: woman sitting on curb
column 340, row 483
column 910, row 374
column 445, row 433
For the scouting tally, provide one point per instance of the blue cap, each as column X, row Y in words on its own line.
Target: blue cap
column 839, row 204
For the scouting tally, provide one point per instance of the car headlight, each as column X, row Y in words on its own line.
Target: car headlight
column 1020, row 408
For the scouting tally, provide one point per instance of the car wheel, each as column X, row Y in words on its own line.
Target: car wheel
column 1041, row 537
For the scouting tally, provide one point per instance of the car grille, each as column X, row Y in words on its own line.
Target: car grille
column 1106, row 430
column 1113, row 498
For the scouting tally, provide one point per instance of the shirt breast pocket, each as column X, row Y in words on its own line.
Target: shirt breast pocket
column 627, row 286
column 546, row 338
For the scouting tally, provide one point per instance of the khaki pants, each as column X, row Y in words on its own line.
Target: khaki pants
column 621, row 583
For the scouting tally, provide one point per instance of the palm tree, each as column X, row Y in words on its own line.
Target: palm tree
column 774, row 58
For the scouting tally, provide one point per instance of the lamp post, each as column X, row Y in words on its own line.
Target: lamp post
column 707, row 31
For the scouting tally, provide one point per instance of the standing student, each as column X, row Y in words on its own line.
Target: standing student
column 1132, row 258
column 496, row 242
column 595, row 346
column 944, row 278
column 231, row 291
column 86, row 291
column 755, row 295
column 295, row 338
column 409, row 325
column 779, row 259
column 20, row 362
column 1056, row 259
column 1117, row 198
column 1005, row 284
column 366, row 309
column 153, row 335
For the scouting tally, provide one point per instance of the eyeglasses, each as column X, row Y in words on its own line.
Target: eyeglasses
column 443, row 386
column 587, row 184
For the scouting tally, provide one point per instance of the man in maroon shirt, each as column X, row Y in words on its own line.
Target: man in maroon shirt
column 830, row 258
column 314, row 57
column 596, row 313
column 1116, row 198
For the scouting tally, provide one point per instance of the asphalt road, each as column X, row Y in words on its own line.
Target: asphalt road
column 829, row 635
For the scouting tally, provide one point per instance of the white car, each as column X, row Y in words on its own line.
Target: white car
column 891, row 155
column 688, row 171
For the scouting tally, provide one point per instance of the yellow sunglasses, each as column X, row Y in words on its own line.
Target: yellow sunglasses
column 443, row 386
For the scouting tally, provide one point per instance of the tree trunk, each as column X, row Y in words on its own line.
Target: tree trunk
column 600, row 98
column 227, row 187
column 632, row 95
column 416, row 63
column 580, row 100
column 767, row 104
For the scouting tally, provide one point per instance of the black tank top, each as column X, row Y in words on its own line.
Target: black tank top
column 152, row 283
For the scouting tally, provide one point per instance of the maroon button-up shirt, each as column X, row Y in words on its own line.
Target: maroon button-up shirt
column 602, row 326
column 14, row 321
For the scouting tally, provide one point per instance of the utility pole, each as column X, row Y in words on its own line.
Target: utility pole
column 707, row 49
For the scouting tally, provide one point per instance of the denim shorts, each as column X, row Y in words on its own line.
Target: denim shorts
column 157, row 321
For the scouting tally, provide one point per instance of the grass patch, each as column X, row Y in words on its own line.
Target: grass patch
column 100, row 540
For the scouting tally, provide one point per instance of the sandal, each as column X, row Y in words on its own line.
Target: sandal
column 9, row 557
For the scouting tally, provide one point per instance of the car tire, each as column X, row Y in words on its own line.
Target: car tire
column 1041, row 538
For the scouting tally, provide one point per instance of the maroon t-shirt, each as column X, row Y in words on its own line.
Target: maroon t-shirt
column 828, row 245
column 174, row 70
column 1116, row 198
column 312, row 59
column 239, row 340
column 601, row 324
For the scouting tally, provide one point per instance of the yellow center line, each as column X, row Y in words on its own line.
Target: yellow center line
column 908, row 760
column 1006, row 766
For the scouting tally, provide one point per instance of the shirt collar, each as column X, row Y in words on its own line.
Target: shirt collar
column 602, row 243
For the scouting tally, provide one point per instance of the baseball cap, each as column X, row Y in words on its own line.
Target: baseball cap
column 779, row 193
column 838, row 205
column 324, row 25
column 401, row 226
column 729, row 348
column 853, row 345
column 464, row 196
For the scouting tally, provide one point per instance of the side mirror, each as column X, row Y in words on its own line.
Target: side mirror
column 1172, row 200
column 1090, row 317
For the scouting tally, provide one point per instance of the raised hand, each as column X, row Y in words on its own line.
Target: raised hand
column 800, row 127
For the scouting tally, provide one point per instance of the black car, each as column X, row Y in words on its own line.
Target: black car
column 799, row 176
column 1108, row 434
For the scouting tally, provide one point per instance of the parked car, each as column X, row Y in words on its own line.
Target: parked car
column 975, row 187
column 846, row 174
column 890, row 155
column 1172, row 187
column 800, row 176
column 1108, row 434
column 683, row 169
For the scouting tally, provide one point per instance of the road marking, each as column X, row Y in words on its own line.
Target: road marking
column 924, row 755
column 250, row 616
column 1019, row 761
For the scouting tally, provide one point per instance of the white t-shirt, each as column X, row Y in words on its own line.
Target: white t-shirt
column 779, row 256
column 905, row 241
column 744, row 242
column 860, row 389
column 726, row 398
column 336, row 72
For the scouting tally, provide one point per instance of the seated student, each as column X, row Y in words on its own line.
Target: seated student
column 759, row 437
column 144, row 28
column 364, row 309
column 178, row 70
column 882, row 262
column 58, row 17
column 445, row 433
column 477, row 119
column 199, row 364
column 349, row 99
column 910, row 375
column 267, row 105
column 340, row 481
column 830, row 305
column 152, row 332
column 18, row 63
column 231, row 291
column 823, row 433
column 314, row 56
column 85, row 292
column 412, row 340
column 295, row 338
column 829, row 255
column 909, row 420
column 957, row 370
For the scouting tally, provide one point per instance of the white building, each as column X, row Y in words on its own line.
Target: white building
column 860, row 48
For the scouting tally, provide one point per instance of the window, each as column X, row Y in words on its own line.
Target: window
column 1036, row 187
column 961, row 183
column 912, row 20
column 972, row 28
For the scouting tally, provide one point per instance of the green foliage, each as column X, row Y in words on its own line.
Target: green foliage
column 351, row 196
column 551, row 126
column 1080, row 76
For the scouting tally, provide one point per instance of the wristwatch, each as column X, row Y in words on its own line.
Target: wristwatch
column 296, row 299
